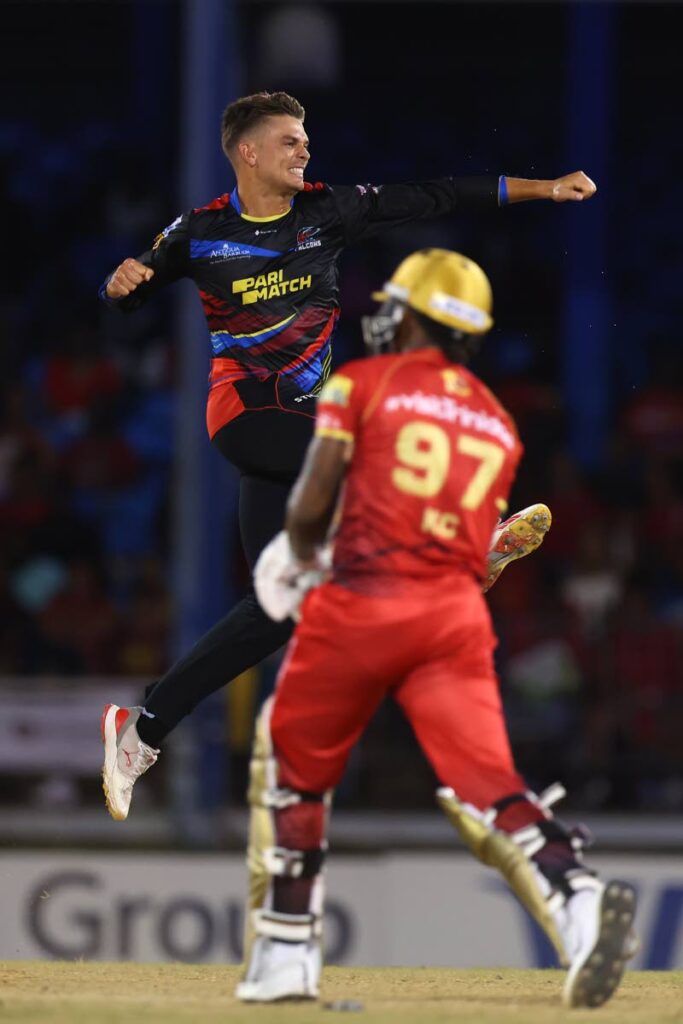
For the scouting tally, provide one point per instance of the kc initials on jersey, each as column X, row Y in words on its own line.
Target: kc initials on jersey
column 443, row 525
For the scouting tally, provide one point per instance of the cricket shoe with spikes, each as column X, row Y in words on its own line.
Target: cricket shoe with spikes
column 126, row 757
column 596, row 927
column 516, row 537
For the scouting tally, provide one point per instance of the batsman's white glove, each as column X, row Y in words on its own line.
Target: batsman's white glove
column 281, row 581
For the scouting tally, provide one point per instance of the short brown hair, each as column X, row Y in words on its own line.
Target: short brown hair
column 243, row 114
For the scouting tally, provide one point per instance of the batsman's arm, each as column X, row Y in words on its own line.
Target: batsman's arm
column 313, row 500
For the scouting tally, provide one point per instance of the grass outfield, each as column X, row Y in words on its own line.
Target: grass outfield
column 99, row 993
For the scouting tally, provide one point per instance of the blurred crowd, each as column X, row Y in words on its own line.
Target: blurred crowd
column 86, row 418
column 591, row 628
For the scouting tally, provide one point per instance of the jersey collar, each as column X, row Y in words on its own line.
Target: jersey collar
column 235, row 203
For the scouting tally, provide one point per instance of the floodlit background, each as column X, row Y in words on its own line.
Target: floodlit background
column 118, row 526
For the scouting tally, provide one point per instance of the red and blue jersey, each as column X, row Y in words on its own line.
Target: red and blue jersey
column 269, row 286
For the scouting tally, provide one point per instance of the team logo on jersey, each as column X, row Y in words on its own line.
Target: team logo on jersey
column 269, row 286
column 364, row 189
column 455, row 383
column 166, row 232
column 305, row 238
column 337, row 390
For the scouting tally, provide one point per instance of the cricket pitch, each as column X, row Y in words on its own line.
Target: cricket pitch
column 43, row 992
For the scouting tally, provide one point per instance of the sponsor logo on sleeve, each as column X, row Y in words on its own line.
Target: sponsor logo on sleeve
column 329, row 422
column 166, row 232
column 455, row 383
column 337, row 391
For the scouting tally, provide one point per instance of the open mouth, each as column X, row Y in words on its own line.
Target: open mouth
column 298, row 171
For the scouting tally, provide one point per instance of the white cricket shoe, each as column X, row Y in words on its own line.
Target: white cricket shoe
column 595, row 924
column 126, row 757
column 514, row 538
column 281, row 970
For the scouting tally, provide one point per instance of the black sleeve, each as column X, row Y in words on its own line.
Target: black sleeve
column 169, row 258
column 366, row 210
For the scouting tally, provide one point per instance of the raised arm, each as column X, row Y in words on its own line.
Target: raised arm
column 127, row 277
column 367, row 210
column 574, row 187
column 135, row 280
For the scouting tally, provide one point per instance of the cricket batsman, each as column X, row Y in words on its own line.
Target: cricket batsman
column 422, row 457
column 264, row 258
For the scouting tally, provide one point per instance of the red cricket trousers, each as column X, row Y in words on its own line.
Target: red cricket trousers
column 431, row 647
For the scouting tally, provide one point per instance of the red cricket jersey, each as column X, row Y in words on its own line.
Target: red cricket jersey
column 434, row 458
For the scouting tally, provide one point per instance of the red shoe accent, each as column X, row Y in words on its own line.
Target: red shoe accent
column 121, row 716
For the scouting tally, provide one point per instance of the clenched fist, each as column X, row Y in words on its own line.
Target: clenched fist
column 573, row 187
column 126, row 278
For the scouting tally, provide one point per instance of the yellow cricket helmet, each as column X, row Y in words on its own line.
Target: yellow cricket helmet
column 445, row 286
